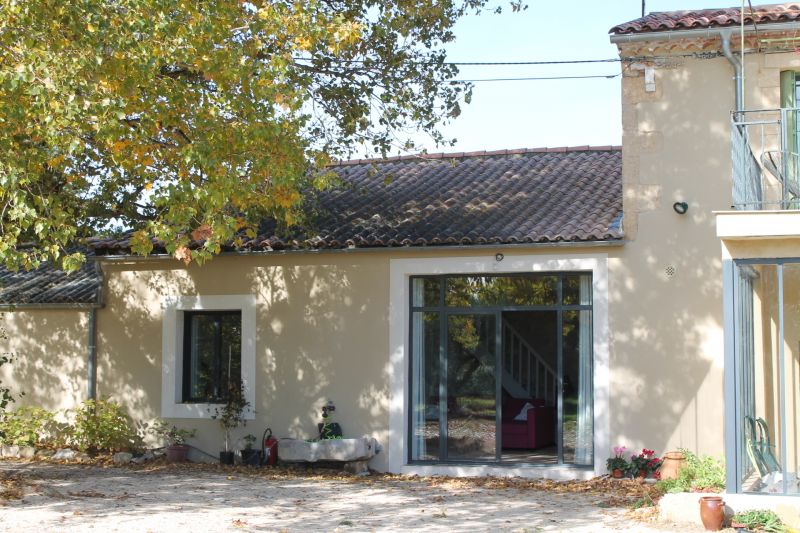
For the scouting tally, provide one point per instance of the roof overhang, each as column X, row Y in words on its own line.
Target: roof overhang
column 388, row 249
column 702, row 33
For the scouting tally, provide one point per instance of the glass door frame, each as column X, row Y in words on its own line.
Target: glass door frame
column 735, row 454
column 444, row 375
column 497, row 310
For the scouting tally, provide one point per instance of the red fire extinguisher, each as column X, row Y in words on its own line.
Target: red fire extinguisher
column 269, row 450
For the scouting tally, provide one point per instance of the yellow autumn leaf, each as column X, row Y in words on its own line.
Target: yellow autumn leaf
column 55, row 161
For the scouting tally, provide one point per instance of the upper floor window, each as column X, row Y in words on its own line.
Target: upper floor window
column 212, row 355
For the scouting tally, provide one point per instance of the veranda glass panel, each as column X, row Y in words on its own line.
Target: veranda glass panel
column 425, row 410
column 473, row 291
column 471, row 387
column 761, row 421
column 791, row 359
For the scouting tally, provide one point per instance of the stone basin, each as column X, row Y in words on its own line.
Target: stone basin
column 347, row 450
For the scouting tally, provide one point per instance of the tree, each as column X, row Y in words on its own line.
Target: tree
column 190, row 121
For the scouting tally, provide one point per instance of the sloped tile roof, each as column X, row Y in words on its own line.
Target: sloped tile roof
column 661, row 21
column 49, row 285
column 544, row 195
column 505, row 197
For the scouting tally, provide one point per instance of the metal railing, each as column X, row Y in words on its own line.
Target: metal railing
column 766, row 165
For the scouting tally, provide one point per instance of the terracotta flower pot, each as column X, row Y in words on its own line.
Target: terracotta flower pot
column 641, row 474
column 672, row 465
column 712, row 512
column 177, row 453
column 616, row 473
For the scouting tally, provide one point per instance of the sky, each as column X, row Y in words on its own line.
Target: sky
column 530, row 114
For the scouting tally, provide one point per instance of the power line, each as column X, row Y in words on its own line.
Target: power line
column 513, row 63
column 476, row 63
column 606, row 76
column 623, row 59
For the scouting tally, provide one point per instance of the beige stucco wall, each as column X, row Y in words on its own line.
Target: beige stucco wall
column 321, row 333
column 50, row 348
column 666, row 297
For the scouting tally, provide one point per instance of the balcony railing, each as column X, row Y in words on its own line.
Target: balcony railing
column 765, row 151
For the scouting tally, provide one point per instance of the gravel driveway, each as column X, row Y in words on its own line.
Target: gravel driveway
column 58, row 498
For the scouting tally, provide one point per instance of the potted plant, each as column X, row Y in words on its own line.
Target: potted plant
column 177, row 449
column 644, row 464
column 230, row 416
column 250, row 456
column 617, row 464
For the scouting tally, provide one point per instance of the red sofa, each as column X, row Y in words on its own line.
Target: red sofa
column 539, row 431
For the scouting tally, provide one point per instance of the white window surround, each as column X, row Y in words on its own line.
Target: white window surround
column 400, row 270
column 172, row 351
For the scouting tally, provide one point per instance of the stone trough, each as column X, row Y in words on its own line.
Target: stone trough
column 354, row 453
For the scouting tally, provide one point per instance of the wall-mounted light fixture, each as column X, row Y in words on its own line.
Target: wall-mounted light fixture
column 680, row 207
column 499, row 257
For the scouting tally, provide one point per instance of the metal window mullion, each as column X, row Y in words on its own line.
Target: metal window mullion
column 498, row 381
column 733, row 462
column 410, row 385
column 443, row 325
column 560, row 377
column 782, row 379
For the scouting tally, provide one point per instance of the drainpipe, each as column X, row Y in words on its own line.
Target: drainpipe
column 91, row 356
column 725, row 36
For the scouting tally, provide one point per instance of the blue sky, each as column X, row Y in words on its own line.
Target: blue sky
column 528, row 114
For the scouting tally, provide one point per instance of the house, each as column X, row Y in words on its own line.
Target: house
column 493, row 313
column 709, row 118
column 432, row 288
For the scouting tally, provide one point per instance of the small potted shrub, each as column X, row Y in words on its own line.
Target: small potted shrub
column 230, row 416
column 644, row 464
column 250, row 456
column 177, row 449
column 617, row 465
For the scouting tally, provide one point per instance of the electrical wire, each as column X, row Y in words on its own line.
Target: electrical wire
column 606, row 76
column 623, row 59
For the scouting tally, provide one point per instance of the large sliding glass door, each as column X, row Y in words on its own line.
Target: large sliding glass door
column 471, row 387
column 766, row 452
column 501, row 369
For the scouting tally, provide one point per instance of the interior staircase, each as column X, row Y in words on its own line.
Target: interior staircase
column 526, row 374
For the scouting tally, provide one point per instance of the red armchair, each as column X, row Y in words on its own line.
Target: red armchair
column 538, row 431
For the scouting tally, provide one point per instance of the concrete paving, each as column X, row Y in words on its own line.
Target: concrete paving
column 89, row 498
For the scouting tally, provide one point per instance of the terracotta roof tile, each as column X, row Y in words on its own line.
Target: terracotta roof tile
column 49, row 285
column 504, row 197
column 661, row 21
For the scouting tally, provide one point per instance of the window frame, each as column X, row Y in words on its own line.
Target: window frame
column 187, row 349
column 175, row 309
column 395, row 455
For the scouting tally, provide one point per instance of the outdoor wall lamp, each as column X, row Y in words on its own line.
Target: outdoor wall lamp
column 680, row 207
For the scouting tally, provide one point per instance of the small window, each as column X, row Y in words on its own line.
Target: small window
column 212, row 355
